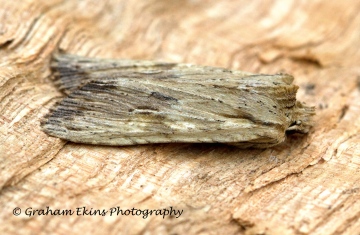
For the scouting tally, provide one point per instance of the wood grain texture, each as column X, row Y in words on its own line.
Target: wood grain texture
column 305, row 185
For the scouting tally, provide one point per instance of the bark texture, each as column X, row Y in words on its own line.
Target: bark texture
column 308, row 185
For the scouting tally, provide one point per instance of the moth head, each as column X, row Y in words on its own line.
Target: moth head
column 301, row 120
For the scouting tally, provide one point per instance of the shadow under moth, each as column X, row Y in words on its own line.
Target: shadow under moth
column 129, row 102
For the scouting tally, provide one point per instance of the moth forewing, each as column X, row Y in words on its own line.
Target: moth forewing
column 124, row 102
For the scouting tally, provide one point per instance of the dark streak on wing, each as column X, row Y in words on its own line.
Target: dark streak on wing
column 163, row 97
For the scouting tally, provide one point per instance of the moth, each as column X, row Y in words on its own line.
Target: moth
column 129, row 102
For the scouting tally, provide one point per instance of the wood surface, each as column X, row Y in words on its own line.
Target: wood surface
column 310, row 184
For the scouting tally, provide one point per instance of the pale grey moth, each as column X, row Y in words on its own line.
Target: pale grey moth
column 128, row 102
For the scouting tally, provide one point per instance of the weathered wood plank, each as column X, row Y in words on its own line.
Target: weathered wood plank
column 309, row 184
